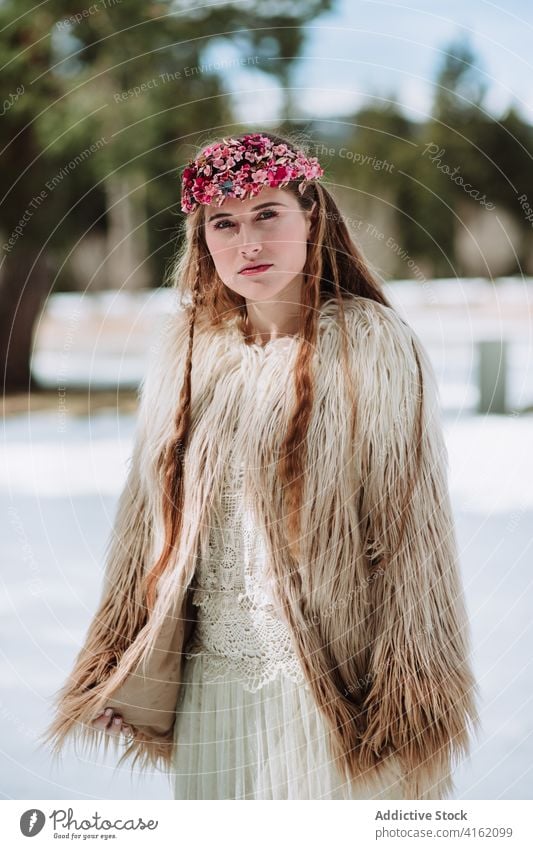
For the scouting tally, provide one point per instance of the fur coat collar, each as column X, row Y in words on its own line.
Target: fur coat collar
column 380, row 627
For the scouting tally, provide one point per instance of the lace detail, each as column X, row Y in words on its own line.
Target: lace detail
column 238, row 630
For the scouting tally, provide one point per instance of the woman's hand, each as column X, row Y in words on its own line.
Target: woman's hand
column 111, row 723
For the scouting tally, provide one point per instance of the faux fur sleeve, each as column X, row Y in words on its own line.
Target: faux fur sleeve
column 421, row 701
column 107, row 670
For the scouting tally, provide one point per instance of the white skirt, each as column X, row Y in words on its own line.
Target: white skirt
column 269, row 744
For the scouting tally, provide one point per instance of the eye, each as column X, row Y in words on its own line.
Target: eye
column 270, row 213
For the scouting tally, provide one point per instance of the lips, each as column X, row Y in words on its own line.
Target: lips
column 255, row 269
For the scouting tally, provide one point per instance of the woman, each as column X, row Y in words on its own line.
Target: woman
column 282, row 615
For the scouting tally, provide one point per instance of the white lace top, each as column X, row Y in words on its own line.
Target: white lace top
column 238, row 629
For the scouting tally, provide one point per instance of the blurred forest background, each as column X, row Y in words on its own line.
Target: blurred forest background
column 104, row 103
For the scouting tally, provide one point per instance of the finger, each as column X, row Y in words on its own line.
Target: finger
column 116, row 725
column 102, row 721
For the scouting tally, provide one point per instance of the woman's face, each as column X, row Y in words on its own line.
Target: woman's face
column 270, row 232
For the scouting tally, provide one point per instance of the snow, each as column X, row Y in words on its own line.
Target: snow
column 58, row 492
column 101, row 339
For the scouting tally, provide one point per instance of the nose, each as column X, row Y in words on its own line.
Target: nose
column 249, row 247
column 250, row 251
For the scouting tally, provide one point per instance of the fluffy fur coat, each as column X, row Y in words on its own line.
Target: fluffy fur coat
column 380, row 626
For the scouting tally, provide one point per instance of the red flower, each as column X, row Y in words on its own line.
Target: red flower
column 281, row 173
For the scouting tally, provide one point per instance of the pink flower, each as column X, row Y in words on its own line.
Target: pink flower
column 212, row 176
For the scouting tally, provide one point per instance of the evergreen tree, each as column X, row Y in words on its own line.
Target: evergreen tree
column 102, row 102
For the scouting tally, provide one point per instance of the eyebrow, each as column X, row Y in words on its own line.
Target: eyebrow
column 259, row 206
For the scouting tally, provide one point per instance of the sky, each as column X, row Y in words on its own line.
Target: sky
column 379, row 48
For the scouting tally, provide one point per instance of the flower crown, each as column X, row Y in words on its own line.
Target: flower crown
column 238, row 168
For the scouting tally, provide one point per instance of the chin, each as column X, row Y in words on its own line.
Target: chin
column 260, row 286
column 261, row 292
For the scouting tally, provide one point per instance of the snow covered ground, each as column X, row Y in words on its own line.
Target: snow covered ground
column 101, row 339
column 59, row 482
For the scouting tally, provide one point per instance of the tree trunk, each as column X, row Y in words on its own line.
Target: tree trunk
column 24, row 285
column 126, row 261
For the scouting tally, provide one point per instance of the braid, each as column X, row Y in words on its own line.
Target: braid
column 173, row 458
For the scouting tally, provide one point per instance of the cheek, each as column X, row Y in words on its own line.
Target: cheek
column 212, row 242
column 294, row 233
column 219, row 249
column 293, row 241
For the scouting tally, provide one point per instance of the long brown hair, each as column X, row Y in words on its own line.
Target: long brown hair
column 334, row 269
